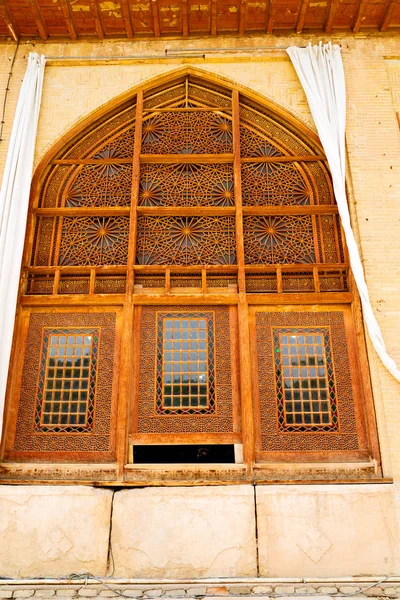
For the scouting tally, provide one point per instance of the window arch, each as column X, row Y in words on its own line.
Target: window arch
column 189, row 211
column 190, row 159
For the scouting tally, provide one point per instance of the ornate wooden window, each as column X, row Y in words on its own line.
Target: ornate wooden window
column 185, row 213
column 185, row 364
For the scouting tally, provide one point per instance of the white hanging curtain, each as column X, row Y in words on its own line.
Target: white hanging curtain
column 14, row 200
column 320, row 70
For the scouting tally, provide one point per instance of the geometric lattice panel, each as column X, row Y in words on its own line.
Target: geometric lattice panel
column 284, row 335
column 186, row 185
column 187, row 133
column 94, row 241
column 281, row 239
column 268, row 184
column 100, row 185
column 82, row 346
column 186, row 241
column 217, row 420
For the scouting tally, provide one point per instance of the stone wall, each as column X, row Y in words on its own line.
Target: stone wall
column 324, row 531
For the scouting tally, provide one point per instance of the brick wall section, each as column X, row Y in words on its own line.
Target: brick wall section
column 73, row 91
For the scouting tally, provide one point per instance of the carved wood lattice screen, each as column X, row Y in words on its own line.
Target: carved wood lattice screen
column 187, row 186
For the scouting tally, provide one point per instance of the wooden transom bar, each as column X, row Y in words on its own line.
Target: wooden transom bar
column 186, row 298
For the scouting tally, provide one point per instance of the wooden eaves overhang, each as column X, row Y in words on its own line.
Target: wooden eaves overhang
column 97, row 19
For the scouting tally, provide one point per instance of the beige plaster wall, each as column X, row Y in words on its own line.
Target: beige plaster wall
column 72, row 90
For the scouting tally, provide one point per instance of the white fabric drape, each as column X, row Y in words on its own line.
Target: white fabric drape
column 14, row 200
column 320, row 70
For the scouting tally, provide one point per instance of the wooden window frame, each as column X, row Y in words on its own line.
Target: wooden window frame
column 240, row 301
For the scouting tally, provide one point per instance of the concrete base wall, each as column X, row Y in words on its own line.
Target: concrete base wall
column 306, row 531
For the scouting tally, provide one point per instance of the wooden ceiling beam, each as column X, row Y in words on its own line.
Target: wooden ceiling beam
column 271, row 16
column 331, row 15
column 302, row 15
column 388, row 15
column 243, row 15
column 359, row 16
column 126, row 13
column 5, row 15
column 213, row 17
column 95, row 10
column 40, row 24
column 185, row 18
column 67, row 12
column 156, row 18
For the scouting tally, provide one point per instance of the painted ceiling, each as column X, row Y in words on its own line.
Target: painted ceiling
column 97, row 19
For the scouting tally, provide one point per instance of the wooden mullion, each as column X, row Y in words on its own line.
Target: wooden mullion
column 83, row 211
column 284, row 159
column 56, row 282
column 128, row 343
column 103, row 269
column 92, row 280
column 186, row 158
column 203, row 281
column 185, row 268
column 316, row 279
column 315, row 237
column 135, row 192
column 188, row 211
column 238, row 191
column 243, row 312
column 279, row 279
column 167, row 281
column 295, row 267
column 327, row 209
column 187, row 109
column 91, row 161
column 318, row 226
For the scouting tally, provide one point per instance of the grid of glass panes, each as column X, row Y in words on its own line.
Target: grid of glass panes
column 305, row 378
column 66, row 386
column 185, row 362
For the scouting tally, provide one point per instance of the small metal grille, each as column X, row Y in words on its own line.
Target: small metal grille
column 67, row 380
column 185, row 365
column 305, row 380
